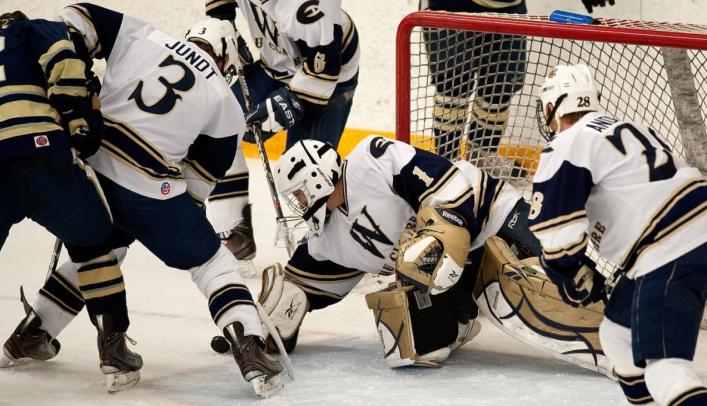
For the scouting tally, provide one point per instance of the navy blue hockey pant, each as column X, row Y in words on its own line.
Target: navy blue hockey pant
column 664, row 308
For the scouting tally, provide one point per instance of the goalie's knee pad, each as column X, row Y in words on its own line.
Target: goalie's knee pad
column 285, row 303
column 415, row 328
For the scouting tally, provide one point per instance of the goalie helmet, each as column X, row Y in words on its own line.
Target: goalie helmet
column 570, row 89
column 222, row 37
column 305, row 176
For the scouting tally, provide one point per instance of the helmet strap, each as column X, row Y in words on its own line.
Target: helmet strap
column 556, row 106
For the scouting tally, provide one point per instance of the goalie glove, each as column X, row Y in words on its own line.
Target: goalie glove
column 280, row 111
column 590, row 4
column 582, row 287
column 433, row 258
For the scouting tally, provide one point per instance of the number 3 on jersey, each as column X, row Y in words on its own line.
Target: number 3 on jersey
column 165, row 104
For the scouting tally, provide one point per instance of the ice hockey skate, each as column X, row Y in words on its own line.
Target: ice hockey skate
column 120, row 366
column 258, row 368
column 28, row 340
column 241, row 242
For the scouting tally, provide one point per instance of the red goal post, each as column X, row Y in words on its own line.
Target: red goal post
column 670, row 60
column 651, row 72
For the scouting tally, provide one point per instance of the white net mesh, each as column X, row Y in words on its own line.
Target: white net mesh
column 472, row 94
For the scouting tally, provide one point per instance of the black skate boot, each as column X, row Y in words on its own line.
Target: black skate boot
column 240, row 241
column 120, row 365
column 29, row 340
column 257, row 367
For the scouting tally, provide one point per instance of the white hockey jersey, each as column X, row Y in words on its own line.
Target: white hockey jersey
column 619, row 185
column 172, row 122
column 310, row 45
column 385, row 183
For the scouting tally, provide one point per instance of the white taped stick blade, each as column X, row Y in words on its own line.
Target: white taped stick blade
column 265, row 389
column 120, row 381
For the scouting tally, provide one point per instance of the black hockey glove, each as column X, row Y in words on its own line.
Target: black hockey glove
column 223, row 12
column 590, row 4
column 280, row 111
column 582, row 287
column 86, row 134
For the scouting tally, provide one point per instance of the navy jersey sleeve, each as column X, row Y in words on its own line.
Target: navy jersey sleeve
column 207, row 161
column 557, row 215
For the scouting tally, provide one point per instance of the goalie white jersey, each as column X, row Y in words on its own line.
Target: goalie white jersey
column 618, row 184
column 172, row 122
column 385, row 183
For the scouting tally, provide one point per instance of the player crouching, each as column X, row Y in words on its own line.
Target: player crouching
column 619, row 184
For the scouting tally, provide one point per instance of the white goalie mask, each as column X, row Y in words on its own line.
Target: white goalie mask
column 570, row 89
column 222, row 37
column 305, row 176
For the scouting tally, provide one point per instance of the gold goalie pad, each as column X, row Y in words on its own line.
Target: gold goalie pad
column 414, row 328
column 518, row 298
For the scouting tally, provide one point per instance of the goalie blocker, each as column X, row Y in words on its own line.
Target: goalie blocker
column 417, row 329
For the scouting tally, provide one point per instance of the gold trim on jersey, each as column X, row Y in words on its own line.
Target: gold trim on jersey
column 134, row 135
column 559, row 221
column 567, row 250
column 312, row 98
column 480, row 192
column 23, row 89
column 670, row 202
column 67, row 69
column 121, row 156
column 440, row 183
column 86, row 16
column 320, row 278
column 349, row 30
column 319, row 76
column 27, row 108
column 496, row 4
column 221, row 196
column 212, row 4
column 201, row 172
column 54, row 49
column 27, row 129
column 344, row 207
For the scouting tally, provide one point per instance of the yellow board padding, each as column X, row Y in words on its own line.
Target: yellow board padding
column 526, row 156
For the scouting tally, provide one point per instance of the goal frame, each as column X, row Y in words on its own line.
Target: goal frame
column 532, row 28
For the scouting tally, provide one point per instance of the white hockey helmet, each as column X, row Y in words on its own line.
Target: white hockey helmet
column 222, row 37
column 305, row 176
column 570, row 89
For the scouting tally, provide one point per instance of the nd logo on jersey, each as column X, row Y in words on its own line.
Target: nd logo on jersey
column 366, row 234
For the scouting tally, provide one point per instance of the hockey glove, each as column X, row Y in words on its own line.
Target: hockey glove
column 590, row 4
column 280, row 111
column 223, row 12
column 86, row 134
column 580, row 288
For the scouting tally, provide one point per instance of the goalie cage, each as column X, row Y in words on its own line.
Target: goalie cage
column 466, row 84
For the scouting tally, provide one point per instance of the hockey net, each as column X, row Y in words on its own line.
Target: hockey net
column 467, row 84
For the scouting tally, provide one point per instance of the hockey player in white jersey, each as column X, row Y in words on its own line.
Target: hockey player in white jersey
column 172, row 126
column 304, row 82
column 618, row 184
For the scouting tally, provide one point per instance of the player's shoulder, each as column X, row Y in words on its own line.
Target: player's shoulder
column 311, row 21
column 39, row 27
column 379, row 147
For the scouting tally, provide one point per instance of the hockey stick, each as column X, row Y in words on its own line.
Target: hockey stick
column 257, row 131
column 54, row 260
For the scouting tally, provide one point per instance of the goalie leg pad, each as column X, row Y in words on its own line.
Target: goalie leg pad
column 523, row 302
column 285, row 303
column 414, row 328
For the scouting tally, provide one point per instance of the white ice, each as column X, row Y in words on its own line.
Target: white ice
column 338, row 358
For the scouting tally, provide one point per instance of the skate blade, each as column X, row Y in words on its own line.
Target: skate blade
column 120, row 381
column 6, row 360
column 264, row 389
